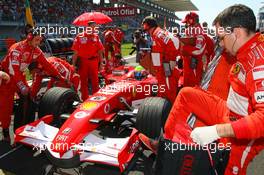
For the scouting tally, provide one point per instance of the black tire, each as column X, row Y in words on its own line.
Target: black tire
column 48, row 170
column 61, row 45
column 64, row 163
column 53, row 45
column 70, row 40
column 56, row 101
column 67, row 43
column 43, row 47
column 152, row 115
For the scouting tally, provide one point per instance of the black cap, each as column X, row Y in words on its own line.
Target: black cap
column 151, row 21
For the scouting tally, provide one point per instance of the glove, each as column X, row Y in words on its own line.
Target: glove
column 4, row 76
column 204, row 135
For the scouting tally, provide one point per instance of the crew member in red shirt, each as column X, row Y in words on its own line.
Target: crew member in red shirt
column 164, row 51
column 109, row 39
column 109, row 42
column 19, row 56
column 119, row 36
column 241, row 117
column 66, row 70
column 89, row 49
column 197, row 56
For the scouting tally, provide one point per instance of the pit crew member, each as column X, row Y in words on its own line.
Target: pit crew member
column 89, row 50
column 66, row 70
column 241, row 117
column 15, row 63
column 165, row 49
column 197, row 56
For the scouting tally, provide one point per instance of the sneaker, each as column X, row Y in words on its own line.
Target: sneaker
column 149, row 143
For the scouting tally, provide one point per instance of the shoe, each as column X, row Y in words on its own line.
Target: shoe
column 149, row 143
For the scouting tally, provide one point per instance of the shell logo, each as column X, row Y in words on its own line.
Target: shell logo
column 261, row 38
column 88, row 106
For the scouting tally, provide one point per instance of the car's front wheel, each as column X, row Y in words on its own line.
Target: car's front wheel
column 57, row 101
column 152, row 115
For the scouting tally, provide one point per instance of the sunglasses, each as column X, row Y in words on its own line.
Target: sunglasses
column 221, row 38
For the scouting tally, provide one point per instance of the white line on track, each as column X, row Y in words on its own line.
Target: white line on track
column 9, row 152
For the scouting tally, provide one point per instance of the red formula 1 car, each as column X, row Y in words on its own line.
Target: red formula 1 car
column 67, row 130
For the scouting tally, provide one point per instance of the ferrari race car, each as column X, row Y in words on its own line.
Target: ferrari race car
column 70, row 132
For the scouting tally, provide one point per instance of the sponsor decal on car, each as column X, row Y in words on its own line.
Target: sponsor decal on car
column 107, row 108
column 88, row 106
column 81, row 114
column 134, row 147
column 97, row 98
column 66, row 131
column 62, row 138
column 261, row 38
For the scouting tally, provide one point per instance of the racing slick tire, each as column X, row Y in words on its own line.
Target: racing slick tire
column 57, row 101
column 67, row 43
column 64, row 163
column 53, row 45
column 152, row 115
column 60, row 45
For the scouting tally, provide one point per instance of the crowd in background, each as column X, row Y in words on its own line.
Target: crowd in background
column 44, row 11
column 49, row 11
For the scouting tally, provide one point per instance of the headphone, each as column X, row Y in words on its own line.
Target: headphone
column 32, row 33
column 30, row 36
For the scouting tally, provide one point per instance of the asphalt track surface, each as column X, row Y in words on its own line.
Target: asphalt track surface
column 21, row 160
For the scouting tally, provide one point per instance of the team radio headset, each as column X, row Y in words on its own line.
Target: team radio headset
column 32, row 33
